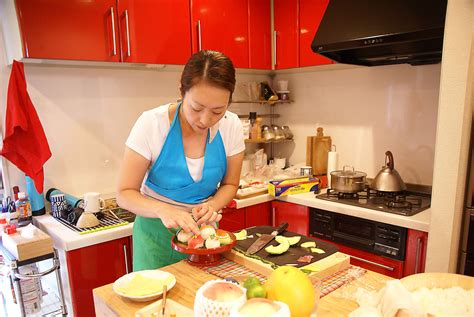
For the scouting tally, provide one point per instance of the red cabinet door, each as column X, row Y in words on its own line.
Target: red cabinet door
column 311, row 14
column 95, row 266
column 221, row 25
column 71, row 30
column 415, row 254
column 260, row 37
column 258, row 215
column 297, row 216
column 155, row 31
column 232, row 219
column 286, row 26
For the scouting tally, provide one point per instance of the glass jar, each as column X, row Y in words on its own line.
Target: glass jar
column 278, row 132
column 267, row 133
column 287, row 132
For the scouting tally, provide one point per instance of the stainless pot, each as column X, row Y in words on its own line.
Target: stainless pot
column 348, row 180
column 388, row 179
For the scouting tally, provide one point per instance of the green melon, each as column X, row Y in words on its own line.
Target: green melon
column 317, row 250
column 309, row 244
column 292, row 240
column 279, row 249
column 241, row 235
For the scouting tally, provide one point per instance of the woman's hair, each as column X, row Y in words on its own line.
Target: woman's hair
column 211, row 67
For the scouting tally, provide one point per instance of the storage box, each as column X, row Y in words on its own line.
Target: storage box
column 27, row 248
column 293, row 186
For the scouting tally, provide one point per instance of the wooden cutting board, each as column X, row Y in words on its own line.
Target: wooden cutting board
column 317, row 148
column 23, row 248
column 321, row 265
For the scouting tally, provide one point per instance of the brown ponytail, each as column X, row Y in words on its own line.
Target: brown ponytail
column 211, row 67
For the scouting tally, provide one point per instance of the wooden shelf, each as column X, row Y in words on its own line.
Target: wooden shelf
column 262, row 101
column 266, row 141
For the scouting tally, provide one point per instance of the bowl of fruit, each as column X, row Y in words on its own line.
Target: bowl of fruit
column 204, row 249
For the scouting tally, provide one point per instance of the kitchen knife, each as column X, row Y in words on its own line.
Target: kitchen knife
column 265, row 238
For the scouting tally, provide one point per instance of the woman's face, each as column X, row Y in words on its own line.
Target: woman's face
column 204, row 105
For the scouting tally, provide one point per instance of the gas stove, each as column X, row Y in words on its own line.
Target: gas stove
column 406, row 203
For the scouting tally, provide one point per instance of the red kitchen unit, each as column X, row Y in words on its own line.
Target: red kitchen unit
column 221, row 26
column 155, row 32
column 71, row 30
column 94, row 266
column 237, row 219
column 311, row 13
column 296, row 215
column 286, row 26
column 415, row 254
column 260, row 36
column 373, row 262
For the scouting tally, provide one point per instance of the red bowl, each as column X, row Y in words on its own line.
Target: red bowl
column 203, row 256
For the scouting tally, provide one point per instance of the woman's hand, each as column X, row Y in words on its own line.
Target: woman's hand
column 175, row 218
column 205, row 213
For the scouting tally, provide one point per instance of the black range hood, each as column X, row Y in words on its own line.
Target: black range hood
column 382, row 32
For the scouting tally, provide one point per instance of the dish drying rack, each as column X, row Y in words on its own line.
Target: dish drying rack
column 108, row 221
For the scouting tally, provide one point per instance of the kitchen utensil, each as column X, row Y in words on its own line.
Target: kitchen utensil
column 265, row 239
column 150, row 275
column 317, row 148
column 163, row 302
column 348, row 180
column 87, row 220
column 388, row 179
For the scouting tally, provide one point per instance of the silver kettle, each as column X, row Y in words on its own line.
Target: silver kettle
column 388, row 179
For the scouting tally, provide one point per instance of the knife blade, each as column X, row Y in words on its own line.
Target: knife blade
column 266, row 238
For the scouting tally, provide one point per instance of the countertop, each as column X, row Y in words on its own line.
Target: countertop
column 190, row 278
column 67, row 239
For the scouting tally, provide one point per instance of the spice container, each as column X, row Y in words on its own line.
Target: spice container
column 267, row 133
column 283, row 95
column 278, row 132
column 287, row 132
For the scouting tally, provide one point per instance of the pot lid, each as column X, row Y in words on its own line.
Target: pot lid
column 348, row 172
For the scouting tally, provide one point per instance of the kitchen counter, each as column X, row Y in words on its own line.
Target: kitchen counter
column 66, row 239
column 190, row 278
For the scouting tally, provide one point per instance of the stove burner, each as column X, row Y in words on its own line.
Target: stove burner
column 403, row 203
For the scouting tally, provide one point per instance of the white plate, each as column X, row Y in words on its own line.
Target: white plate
column 152, row 274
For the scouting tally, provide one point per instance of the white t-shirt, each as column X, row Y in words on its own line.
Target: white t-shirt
column 151, row 129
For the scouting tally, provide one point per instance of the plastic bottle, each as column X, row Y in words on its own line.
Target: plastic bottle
column 36, row 199
column 23, row 207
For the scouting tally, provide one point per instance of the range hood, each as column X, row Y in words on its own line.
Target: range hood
column 382, row 32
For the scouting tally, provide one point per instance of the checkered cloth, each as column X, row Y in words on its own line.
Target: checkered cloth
column 227, row 268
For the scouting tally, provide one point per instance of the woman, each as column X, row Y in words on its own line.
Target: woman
column 182, row 161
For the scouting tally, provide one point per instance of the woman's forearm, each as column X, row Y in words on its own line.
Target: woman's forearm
column 139, row 204
column 223, row 196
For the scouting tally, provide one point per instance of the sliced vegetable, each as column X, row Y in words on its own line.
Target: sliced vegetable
column 292, row 240
column 241, row 235
column 279, row 249
column 308, row 244
column 317, row 250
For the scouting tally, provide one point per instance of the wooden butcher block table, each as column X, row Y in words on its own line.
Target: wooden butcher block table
column 190, row 279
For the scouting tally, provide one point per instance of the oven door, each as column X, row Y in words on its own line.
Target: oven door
column 355, row 232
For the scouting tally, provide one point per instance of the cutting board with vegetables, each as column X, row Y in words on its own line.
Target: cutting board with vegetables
column 319, row 264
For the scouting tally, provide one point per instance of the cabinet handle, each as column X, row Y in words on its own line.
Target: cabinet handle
column 374, row 263
column 128, row 33
column 125, row 257
column 275, row 47
column 199, row 36
column 273, row 216
column 418, row 253
column 113, row 30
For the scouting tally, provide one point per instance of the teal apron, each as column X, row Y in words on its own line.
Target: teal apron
column 169, row 177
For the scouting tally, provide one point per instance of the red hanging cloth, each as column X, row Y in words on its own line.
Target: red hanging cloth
column 24, row 142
